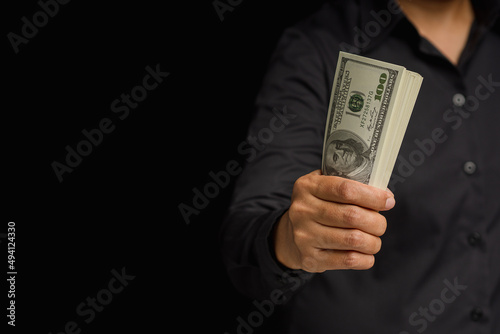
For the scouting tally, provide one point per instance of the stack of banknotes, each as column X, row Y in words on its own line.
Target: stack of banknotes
column 370, row 107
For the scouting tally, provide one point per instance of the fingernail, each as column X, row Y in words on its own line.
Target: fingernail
column 389, row 204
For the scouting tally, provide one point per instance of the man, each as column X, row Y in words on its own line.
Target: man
column 307, row 242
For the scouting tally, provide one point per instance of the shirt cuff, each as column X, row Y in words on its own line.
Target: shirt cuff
column 284, row 280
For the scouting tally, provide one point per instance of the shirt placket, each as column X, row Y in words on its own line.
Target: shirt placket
column 471, row 224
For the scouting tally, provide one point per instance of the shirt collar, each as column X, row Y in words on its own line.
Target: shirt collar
column 378, row 18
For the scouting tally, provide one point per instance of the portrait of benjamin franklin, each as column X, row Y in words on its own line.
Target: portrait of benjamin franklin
column 347, row 156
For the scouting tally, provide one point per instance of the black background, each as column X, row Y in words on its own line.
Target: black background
column 119, row 207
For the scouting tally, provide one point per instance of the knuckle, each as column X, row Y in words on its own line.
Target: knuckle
column 351, row 260
column 355, row 239
column 301, row 237
column 294, row 207
column 351, row 215
column 297, row 211
column 301, row 183
column 346, row 190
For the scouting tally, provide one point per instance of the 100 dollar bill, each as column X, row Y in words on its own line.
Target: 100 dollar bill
column 360, row 117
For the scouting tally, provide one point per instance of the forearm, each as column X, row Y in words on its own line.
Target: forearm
column 292, row 104
column 248, row 252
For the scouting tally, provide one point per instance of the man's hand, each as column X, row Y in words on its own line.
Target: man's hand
column 332, row 223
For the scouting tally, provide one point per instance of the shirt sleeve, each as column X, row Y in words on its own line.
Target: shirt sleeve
column 284, row 142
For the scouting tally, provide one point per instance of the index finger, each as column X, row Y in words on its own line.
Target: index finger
column 341, row 190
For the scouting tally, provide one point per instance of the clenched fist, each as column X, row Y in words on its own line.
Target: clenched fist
column 332, row 223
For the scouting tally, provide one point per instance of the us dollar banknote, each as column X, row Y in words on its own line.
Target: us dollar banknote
column 370, row 106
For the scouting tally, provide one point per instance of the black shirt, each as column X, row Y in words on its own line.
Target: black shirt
column 439, row 267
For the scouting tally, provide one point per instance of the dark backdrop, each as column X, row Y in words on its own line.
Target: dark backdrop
column 118, row 209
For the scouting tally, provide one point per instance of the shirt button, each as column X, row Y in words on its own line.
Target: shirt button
column 476, row 314
column 470, row 167
column 474, row 239
column 458, row 100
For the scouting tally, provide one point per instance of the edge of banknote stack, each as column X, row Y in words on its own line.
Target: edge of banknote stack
column 370, row 108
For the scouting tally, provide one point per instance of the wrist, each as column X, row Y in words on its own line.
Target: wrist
column 283, row 242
